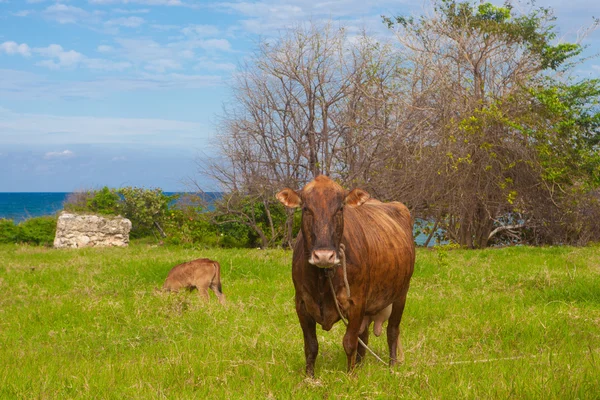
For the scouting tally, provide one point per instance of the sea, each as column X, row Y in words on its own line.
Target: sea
column 22, row 206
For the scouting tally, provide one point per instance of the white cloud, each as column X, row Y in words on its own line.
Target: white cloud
column 144, row 50
column 162, row 65
column 14, row 48
column 39, row 129
column 163, row 27
column 215, row 66
column 63, row 58
column 65, row 14
column 201, row 30
column 215, row 44
column 60, row 58
column 189, row 54
column 28, row 86
column 262, row 9
column 127, row 22
column 22, row 13
column 106, row 65
column 59, row 154
column 135, row 11
column 104, row 48
column 146, row 2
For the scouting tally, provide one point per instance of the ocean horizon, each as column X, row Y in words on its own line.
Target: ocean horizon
column 20, row 206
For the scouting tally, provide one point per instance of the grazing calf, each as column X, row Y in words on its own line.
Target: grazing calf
column 200, row 274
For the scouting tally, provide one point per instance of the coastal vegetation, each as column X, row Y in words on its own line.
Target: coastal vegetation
column 37, row 231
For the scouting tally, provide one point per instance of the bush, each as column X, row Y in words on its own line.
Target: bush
column 104, row 201
column 9, row 232
column 40, row 231
column 145, row 208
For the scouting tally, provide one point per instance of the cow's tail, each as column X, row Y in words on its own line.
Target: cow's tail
column 217, row 287
column 218, row 277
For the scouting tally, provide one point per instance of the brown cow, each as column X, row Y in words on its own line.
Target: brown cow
column 200, row 274
column 380, row 257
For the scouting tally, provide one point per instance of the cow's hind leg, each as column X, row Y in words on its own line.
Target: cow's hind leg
column 218, row 291
column 215, row 284
column 393, row 330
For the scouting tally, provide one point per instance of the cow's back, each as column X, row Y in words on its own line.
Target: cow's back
column 380, row 248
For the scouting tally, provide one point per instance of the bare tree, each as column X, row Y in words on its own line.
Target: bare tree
column 305, row 104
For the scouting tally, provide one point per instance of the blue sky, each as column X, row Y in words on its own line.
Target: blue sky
column 127, row 92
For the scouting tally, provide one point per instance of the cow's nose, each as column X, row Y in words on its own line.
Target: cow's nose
column 323, row 258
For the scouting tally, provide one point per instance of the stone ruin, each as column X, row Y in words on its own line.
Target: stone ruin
column 75, row 230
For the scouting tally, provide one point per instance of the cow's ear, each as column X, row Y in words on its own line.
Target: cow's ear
column 289, row 198
column 356, row 198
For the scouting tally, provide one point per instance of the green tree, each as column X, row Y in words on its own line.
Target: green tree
column 500, row 133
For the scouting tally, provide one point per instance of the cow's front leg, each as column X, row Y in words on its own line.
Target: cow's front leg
column 309, row 331
column 351, row 338
column 364, row 336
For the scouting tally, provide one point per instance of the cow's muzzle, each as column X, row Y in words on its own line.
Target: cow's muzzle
column 324, row 258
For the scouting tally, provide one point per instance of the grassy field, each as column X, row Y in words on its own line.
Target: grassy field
column 90, row 323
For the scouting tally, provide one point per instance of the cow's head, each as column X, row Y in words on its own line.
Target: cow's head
column 322, row 202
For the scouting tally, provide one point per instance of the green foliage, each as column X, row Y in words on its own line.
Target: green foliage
column 242, row 219
column 9, row 232
column 104, row 201
column 36, row 231
column 568, row 146
column 39, row 231
column 486, row 19
column 190, row 225
column 145, row 208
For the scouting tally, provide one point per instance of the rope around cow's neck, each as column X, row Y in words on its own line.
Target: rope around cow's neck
column 343, row 260
column 335, row 300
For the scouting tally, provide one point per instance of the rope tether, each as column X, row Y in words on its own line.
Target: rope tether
column 335, row 301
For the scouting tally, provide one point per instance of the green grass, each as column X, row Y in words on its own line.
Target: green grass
column 90, row 323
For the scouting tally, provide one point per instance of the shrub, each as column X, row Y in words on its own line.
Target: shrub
column 145, row 208
column 104, row 201
column 9, row 232
column 40, row 231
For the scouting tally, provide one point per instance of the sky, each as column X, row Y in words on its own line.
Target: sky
column 128, row 92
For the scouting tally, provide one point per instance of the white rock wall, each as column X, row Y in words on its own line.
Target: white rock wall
column 73, row 230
